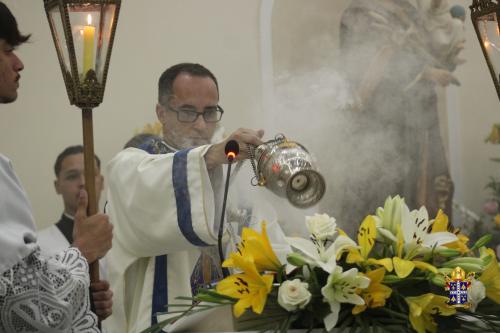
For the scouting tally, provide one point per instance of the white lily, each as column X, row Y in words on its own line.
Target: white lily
column 389, row 218
column 341, row 288
column 316, row 255
column 415, row 226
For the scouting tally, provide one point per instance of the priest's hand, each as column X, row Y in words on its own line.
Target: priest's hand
column 91, row 235
column 215, row 155
column 103, row 299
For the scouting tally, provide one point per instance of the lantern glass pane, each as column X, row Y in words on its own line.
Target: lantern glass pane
column 84, row 20
column 489, row 29
column 107, row 18
column 55, row 21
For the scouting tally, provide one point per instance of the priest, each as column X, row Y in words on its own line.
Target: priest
column 168, row 204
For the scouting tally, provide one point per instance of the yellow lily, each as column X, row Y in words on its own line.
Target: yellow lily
column 404, row 267
column 367, row 233
column 376, row 293
column 423, row 307
column 491, row 276
column 250, row 288
column 441, row 225
column 257, row 246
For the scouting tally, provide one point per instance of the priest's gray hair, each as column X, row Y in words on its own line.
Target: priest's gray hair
column 167, row 78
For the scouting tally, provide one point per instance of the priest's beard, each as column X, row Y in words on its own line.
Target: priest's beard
column 186, row 143
column 182, row 141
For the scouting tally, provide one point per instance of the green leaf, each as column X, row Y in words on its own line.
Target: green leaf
column 346, row 323
column 194, row 308
column 211, row 296
column 158, row 327
column 359, row 320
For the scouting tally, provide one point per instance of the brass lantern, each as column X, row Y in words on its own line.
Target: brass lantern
column 485, row 15
column 83, row 33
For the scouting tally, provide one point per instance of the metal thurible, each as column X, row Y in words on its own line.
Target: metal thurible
column 288, row 170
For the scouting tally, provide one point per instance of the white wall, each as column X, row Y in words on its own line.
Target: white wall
column 224, row 36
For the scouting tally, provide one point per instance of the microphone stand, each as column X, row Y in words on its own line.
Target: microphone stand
column 225, row 271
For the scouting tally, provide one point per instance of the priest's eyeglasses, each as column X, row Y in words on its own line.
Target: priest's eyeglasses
column 212, row 114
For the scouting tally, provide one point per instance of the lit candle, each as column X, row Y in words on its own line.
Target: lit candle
column 88, row 45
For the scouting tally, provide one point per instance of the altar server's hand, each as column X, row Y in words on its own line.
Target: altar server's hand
column 91, row 235
column 103, row 299
column 215, row 155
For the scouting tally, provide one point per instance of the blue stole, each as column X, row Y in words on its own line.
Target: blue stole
column 185, row 223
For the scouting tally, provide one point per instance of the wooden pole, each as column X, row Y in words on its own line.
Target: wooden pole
column 89, row 163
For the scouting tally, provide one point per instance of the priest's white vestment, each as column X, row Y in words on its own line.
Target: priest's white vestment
column 159, row 205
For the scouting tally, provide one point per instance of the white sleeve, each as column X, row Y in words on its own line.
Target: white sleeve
column 47, row 295
column 51, row 241
column 160, row 204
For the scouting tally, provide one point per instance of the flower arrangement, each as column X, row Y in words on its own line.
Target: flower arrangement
column 392, row 278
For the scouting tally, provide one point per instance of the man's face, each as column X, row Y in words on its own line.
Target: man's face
column 10, row 66
column 189, row 93
column 71, row 180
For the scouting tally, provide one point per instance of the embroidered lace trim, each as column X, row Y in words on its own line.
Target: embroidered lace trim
column 39, row 295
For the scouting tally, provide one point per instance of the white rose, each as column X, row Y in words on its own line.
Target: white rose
column 321, row 226
column 476, row 293
column 293, row 295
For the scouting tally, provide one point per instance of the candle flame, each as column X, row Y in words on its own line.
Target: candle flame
column 89, row 19
column 486, row 43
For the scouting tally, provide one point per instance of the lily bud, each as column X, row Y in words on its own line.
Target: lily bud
column 469, row 264
column 482, row 241
column 446, row 252
column 438, row 280
column 296, row 259
column 390, row 278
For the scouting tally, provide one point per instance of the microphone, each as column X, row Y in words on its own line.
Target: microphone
column 231, row 150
